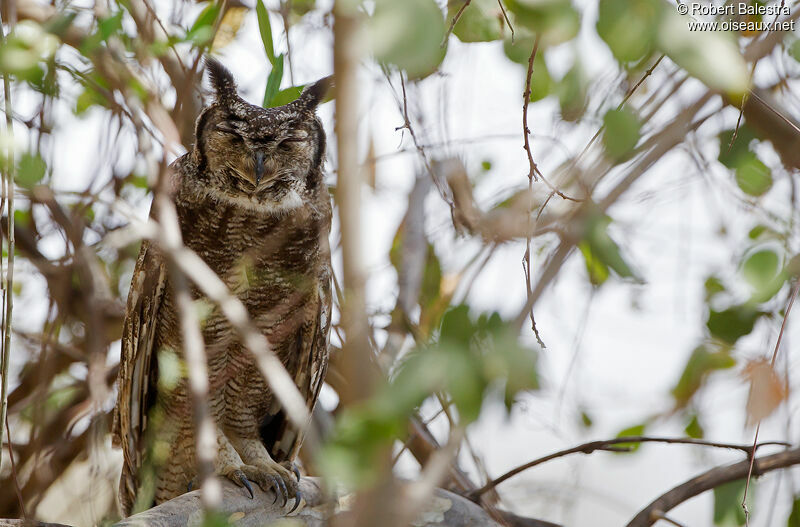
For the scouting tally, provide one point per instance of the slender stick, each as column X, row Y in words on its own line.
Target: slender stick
column 709, row 480
column 613, row 446
column 534, row 174
column 8, row 289
column 454, row 22
column 195, row 355
column 792, row 297
column 526, row 259
column 350, row 185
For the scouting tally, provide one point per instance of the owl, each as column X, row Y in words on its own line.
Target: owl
column 252, row 204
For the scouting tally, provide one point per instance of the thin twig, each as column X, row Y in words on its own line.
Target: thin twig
column 619, row 107
column 196, row 361
column 663, row 517
column 420, row 148
column 505, row 16
column 741, row 108
column 776, row 112
column 14, row 471
column 792, row 297
column 454, row 22
column 712, row 479
column 526, row 259
column 8, row 286
column 612, row 445
column 285, row 9
column 534, row 174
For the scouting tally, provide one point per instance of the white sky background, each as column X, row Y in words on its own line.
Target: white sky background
column 632, row 340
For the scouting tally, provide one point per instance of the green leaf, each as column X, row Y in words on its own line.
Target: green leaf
column 572, row 93
column 287, row 95
column 556, row 21
column 541, row 81
column 713, row 57
column 700, row 364
column 629, row 27
column 731, row 155
column 794, row 50
column 731, row 324
column 694, row 429
column 629, row 432
column 408, row 34
column 728, row 503
column 202, row 31
column 88, row 98
column 753, row 176
column 794, row 517
column 265, row 29
column 598, row 271
column 273, row 82
column 105, row 28
column 31, row 168
column 602, row 247
column 520, row 50
column 457, row 326
column 761, row 268
column 481, row 21
column 713, row 287
column 586, row 419
column 621, row 132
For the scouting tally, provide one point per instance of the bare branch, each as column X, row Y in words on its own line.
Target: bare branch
column 8, row 283
column 792, row 297
column 455, row 21
column 612, row 445
column 196, row 361
column 710, row 480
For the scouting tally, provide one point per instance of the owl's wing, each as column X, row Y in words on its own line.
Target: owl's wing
column 281, row 437
column 136, row 383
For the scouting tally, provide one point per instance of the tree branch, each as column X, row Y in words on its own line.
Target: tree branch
column 612, row 445
column 709, row 480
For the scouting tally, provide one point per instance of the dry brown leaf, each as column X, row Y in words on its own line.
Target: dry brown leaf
column 767, row 390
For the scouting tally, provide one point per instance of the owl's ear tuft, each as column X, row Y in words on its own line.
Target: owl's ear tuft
column 221, row 80
column 314, row 93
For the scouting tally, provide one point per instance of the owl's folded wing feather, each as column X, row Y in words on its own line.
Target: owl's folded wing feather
column 282, row 439
column 136, row 384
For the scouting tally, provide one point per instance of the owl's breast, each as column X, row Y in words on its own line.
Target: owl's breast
column 273, row 263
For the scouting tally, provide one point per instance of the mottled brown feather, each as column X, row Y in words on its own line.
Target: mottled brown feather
column 267, row 238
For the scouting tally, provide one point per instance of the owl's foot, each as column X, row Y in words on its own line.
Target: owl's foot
column 291, row 467
column 269, row 476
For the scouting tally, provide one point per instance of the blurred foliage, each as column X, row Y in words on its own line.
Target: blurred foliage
column 468, row 360
column 728, row 502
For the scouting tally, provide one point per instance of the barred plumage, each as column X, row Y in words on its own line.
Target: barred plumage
column 252, row 203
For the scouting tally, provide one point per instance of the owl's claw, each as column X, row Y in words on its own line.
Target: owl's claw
column 238, row 477
column 284, row 493
column 274, row 485
column 298, row 495
column 291, row 467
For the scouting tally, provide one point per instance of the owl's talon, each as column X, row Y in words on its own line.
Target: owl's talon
column 284, row 492
column 238, row 477
column 298, row 495
column 275, row 487
column 291, row 467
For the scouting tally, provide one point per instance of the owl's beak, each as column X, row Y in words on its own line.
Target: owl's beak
column 260, row 157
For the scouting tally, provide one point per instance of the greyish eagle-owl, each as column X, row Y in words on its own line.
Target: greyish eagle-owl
column 252, row 204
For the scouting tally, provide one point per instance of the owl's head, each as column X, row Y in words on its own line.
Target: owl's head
column 261, row 156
